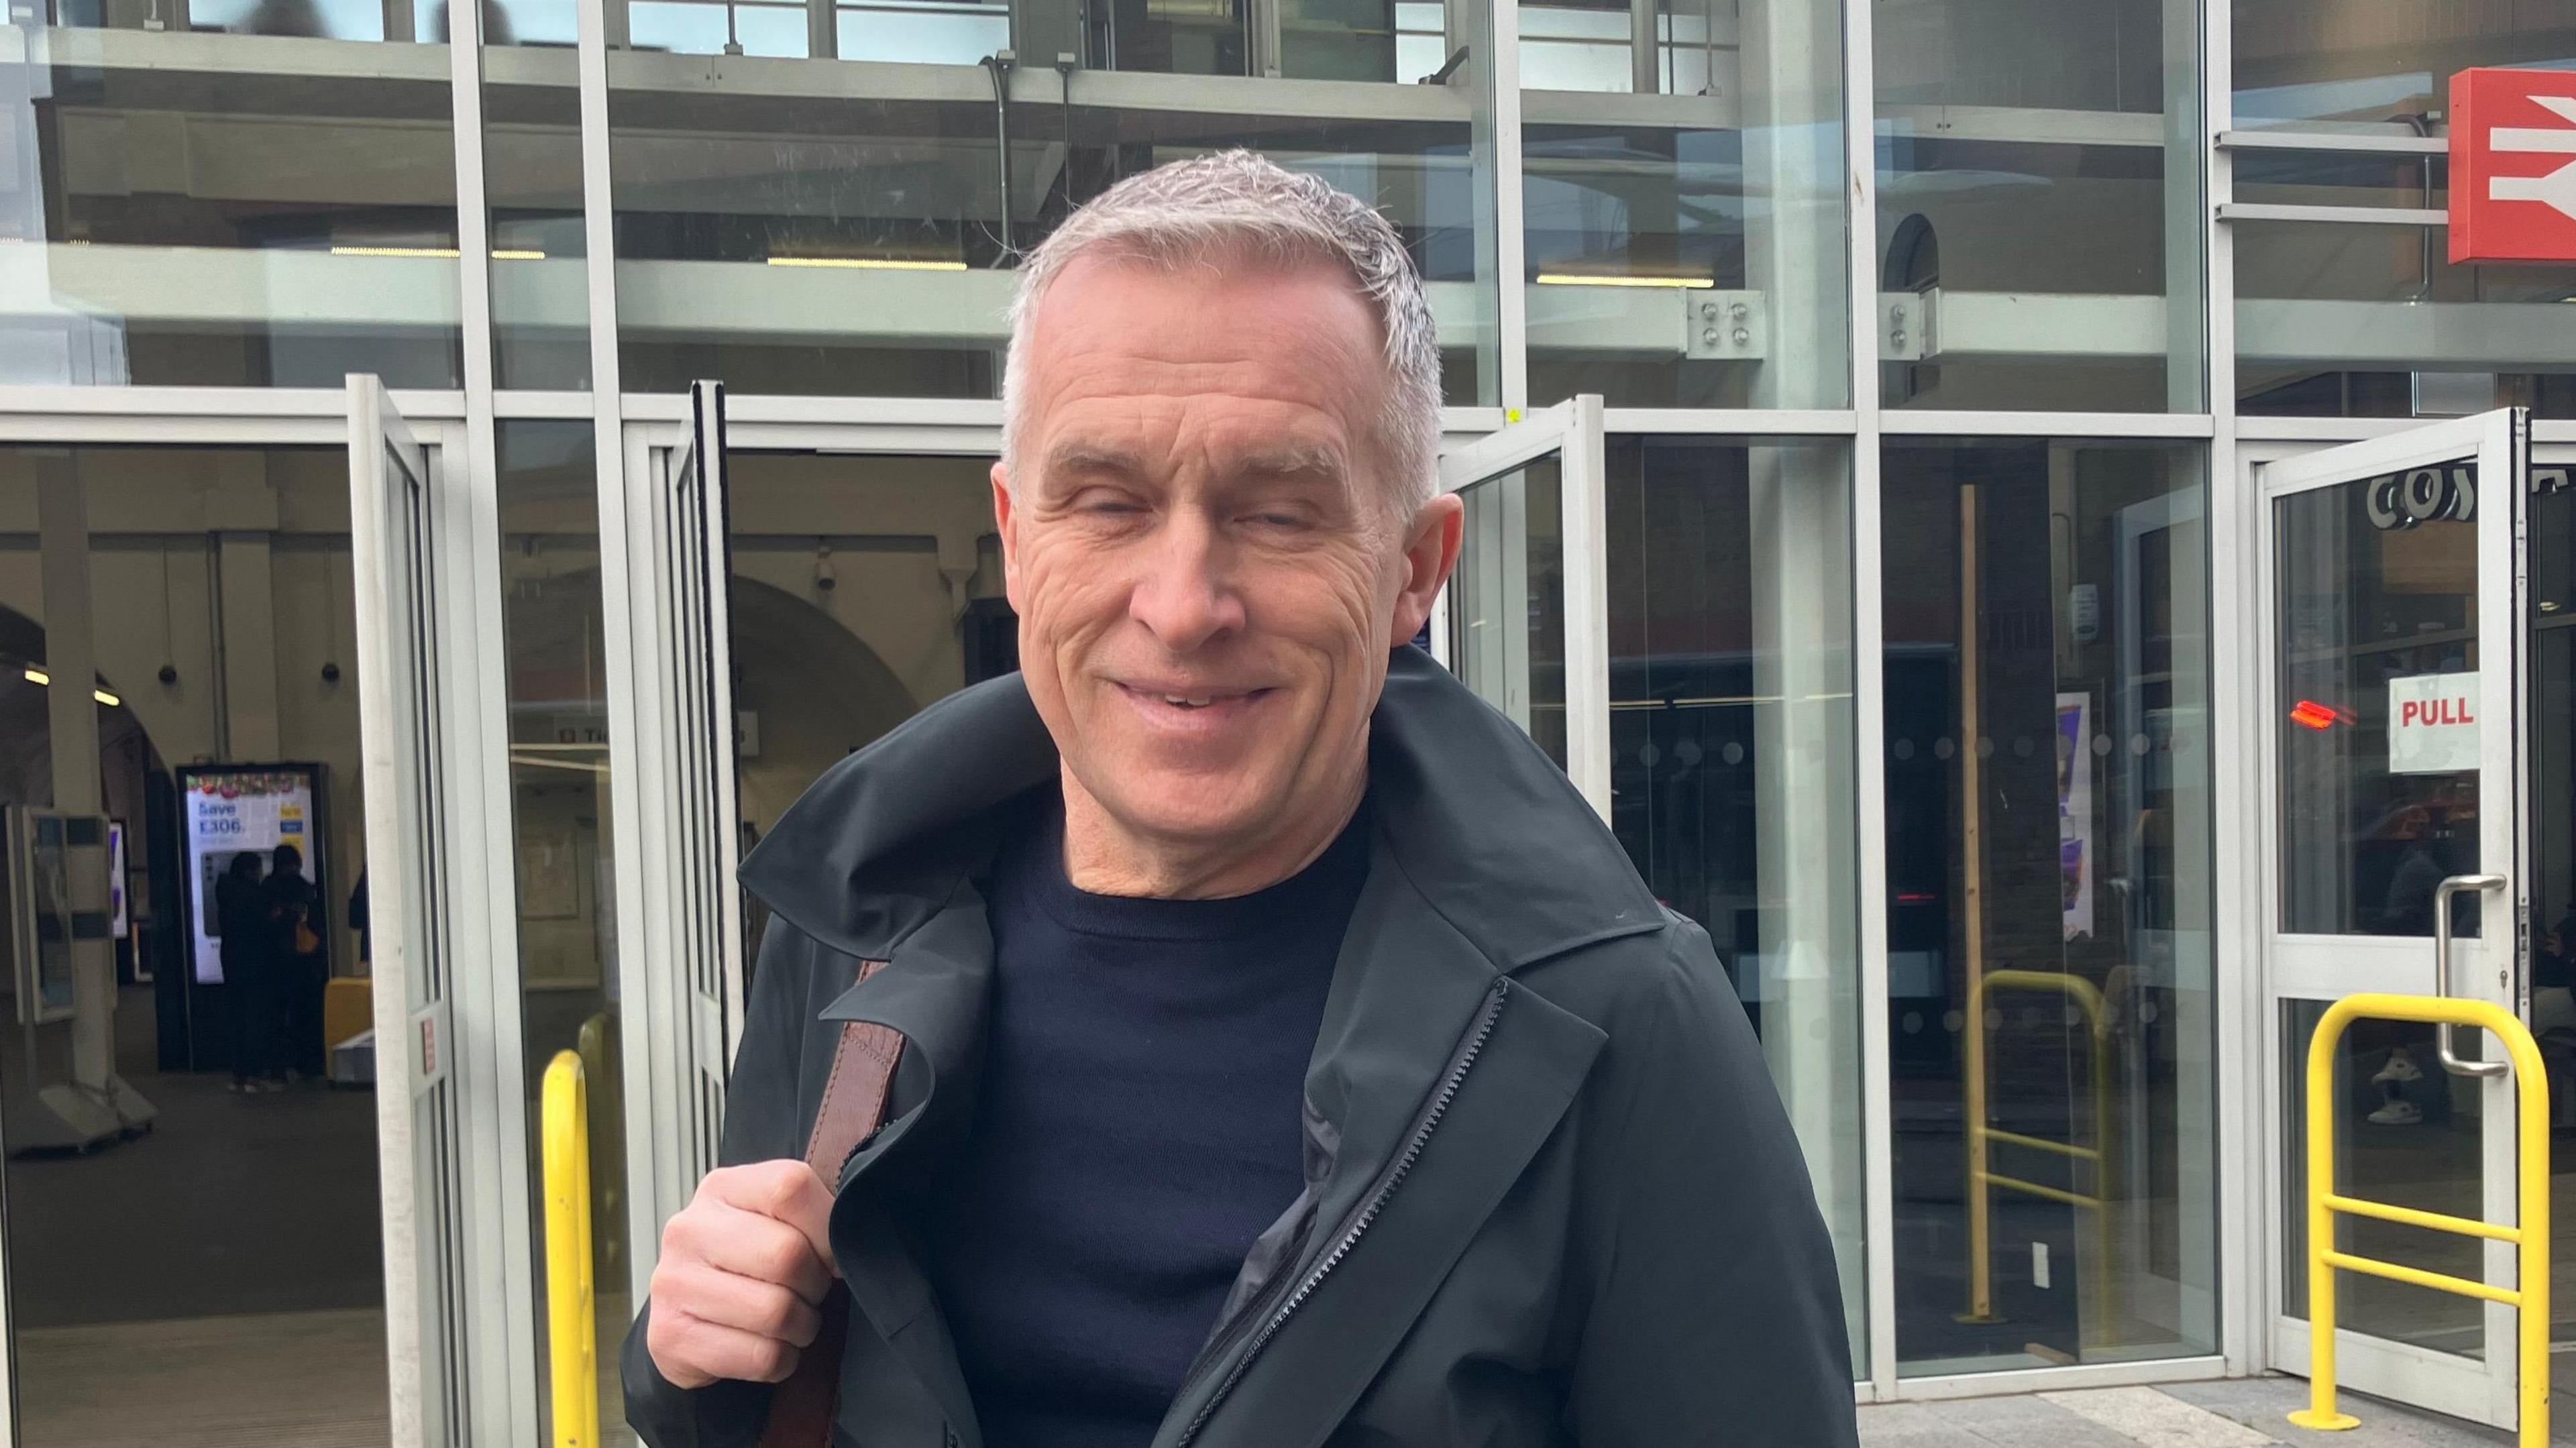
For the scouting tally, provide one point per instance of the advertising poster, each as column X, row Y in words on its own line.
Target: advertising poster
column 234, row 810
column 120, row 925
column 2075, row 811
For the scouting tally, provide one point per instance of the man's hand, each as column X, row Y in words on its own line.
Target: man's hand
column 743, row 1268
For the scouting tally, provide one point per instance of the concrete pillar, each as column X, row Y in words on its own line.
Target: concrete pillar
column 71, row 717
column 2186, row 278
column 1795, row 237
column 1794, row 230
column 243, row 514
column 1805, row 847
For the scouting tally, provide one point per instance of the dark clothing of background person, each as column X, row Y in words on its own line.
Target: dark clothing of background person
column 1550, row 1196
column 246, row 948
column 292, row 900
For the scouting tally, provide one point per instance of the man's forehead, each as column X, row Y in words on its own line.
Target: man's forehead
column 1101, row 440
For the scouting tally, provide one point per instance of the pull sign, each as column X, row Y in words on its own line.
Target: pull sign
column 2433, row 724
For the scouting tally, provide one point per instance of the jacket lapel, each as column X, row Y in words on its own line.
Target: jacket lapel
column 1407, row 996
column 933, row 991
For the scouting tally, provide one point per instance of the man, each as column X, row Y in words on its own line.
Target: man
column 1289, row 1054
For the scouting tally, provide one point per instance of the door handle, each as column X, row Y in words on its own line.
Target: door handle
column 2448, row 1043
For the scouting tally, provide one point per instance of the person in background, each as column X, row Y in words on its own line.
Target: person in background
column 243, row 938
column 299, row 924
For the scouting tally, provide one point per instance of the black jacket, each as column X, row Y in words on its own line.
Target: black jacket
column 1551, row 1195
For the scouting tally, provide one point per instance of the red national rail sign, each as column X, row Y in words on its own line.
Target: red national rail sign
column 2513, row 166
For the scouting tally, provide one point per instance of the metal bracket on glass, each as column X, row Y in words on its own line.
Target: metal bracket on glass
column 1725, row 326
column 2447, row 1043
column 1905, row 325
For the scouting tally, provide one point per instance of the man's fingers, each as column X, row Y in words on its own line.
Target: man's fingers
column 786, row 1190
column 748, row 1244
column 686, row 1347
column 764, row 1309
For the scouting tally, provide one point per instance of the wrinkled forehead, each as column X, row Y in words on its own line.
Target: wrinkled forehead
column 1277, row 363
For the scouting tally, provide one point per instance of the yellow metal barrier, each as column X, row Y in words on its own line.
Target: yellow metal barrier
column 571, row 1331
column 1983, row 1179
column 2530, row 1232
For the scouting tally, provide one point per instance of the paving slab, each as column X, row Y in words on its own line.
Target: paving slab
column 2239, row 1413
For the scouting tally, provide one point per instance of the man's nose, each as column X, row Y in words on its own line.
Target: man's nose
column 1186, row 597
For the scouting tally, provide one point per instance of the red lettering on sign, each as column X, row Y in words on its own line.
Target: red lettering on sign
column 2513, row 166
column 2406, row 713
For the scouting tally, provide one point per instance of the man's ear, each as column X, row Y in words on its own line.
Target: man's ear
column 1430, row 552
column 1004, row 520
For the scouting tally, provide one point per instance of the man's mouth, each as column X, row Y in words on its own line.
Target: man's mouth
column 1191, row 698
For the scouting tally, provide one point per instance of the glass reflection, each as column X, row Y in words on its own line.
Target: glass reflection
column 227, row 193
column 1731, row 757
column 821, row 217
column 1506, row 599
column 2051, row 1039
column 2039, row 195
column 1685, row 230
column 2319, row 64
column 553, row 636
column 2374, row 321
column 2377, row 608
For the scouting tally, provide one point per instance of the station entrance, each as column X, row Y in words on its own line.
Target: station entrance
column 517, row 852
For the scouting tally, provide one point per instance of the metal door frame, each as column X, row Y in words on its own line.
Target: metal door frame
column 2294, row 967
column 499, row 1366
column 1573, row 431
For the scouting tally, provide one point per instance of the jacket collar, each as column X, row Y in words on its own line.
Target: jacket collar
column 1482, row 823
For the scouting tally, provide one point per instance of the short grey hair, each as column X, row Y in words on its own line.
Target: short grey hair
column 1234, row 205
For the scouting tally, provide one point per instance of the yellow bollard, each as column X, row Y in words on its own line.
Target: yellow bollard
column 2529, row 1297
column 1984, row 1180
column 571, row 1327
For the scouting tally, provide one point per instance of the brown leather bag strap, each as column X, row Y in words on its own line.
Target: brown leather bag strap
column 853, row 1107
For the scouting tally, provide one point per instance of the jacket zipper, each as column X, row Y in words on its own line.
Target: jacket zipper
column 1472, row 1047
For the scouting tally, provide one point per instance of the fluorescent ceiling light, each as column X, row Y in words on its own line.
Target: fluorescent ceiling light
column 39, row 676
column 868, row 263
column 104, row 697
column 447, row 252
column 1582, row 279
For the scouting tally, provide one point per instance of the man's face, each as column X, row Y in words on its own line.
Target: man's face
column 1202, row 548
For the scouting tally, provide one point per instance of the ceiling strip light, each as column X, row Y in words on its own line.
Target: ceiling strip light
column 1581, row 279
column 869, row 263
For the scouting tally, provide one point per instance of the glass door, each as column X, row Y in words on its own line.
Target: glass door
column 1523, row 621
column 398, row 560
column 2390, row 717
column 692, row 965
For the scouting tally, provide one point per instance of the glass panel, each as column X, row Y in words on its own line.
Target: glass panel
column 864, row 588
column 242, row 193
column 1731, row 757
column 2039, row 190
column 1685, row 235
column 2378, row 626
column 1507, row 599
column 2374, row 321
column 2407, row 1133
column 2050, row 1007
column 532, row 181
column 553, row 627
column 2325, row 65
column 800, row 225
column 221, row 1276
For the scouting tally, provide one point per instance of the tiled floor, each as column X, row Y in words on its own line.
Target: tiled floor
column 272, row 1380
column 2243, row 1414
